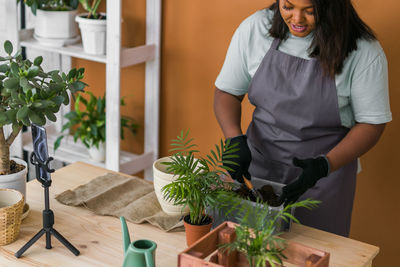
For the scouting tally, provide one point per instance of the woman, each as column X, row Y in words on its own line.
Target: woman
column 318, row 80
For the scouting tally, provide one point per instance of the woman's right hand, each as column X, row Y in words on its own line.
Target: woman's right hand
column 242, row 160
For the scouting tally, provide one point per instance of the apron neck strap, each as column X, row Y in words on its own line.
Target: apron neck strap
column 275, row 43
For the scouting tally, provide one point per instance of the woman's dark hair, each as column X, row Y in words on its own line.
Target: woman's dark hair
column 337, row 29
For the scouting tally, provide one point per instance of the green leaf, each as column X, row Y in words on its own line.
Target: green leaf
column 50, row 115
column 56, row 77
column 71, row 74
column 23, row 82
column 11, row 83
column 78, row 86
column 3, row 118
column 11, row 114
column 22, row 113
column 8, row 47
column 56, row 86
column 14, row 68
column 36, row 117
column 33, row 71
column 58, row 100
column 4, row 68
column 57, row 143
column 38, row 60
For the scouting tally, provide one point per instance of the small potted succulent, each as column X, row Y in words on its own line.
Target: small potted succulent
column 89, row 125
column 55, row 21
column 93, row 27
column 197, row 184
column 28, row 95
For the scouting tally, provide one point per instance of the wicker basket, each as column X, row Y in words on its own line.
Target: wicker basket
column 11, row 205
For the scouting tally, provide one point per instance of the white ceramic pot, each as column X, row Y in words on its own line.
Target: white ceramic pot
column 162, row 178
column 56, row 27
column 17, row 180
column 93, row 33
column 98, row 154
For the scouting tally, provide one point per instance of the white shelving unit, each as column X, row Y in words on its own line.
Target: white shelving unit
column 116, row 58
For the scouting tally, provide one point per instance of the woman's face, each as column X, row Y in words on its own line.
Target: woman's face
column 298, row 16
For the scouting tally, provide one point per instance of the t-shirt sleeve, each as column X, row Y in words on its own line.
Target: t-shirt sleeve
column 370, row 92
column 234, row 77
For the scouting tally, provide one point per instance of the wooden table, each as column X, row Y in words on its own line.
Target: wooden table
column 99, row 238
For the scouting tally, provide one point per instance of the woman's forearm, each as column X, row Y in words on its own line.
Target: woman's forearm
column 228, row 111
column 361, row 138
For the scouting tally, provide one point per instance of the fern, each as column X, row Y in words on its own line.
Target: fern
column 198, row 178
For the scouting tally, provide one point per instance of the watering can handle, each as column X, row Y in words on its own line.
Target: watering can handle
column 149, row 259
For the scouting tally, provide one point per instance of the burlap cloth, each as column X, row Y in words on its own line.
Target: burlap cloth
column 117, row 195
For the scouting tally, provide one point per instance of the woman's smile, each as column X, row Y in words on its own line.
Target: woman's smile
column 298, row 16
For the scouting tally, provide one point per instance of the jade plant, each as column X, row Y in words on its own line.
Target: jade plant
column 89, row 124
column 256, row 234
column 28, row 95
column 51, row 5
column 91, row 7
column 198, row 180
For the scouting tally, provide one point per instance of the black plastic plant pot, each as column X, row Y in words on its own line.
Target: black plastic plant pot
column 220, row 216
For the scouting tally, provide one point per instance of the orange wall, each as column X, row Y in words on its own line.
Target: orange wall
column 195, row 37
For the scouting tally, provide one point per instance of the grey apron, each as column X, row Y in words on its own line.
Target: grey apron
column 297, row 115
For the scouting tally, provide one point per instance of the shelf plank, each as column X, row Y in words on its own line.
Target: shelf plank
column 74, row 50
column 71, row 152
column 129, row 55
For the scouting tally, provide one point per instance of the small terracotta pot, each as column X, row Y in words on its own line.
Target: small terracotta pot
column 195, row 232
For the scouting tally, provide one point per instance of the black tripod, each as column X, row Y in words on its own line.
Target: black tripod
column 43, row 175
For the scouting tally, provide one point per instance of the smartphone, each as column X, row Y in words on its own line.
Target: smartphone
column 40, row 148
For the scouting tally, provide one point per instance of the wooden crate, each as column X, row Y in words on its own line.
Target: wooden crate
column 207, row 247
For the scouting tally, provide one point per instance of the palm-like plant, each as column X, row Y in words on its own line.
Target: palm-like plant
column 198, row 183
column 256, row 234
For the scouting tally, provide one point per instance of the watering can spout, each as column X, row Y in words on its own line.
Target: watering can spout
column 125, row 234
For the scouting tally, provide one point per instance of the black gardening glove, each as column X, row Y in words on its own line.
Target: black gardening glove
column 313, row 170
column 243, row 159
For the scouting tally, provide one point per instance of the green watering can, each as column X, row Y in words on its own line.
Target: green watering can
column 139, row 253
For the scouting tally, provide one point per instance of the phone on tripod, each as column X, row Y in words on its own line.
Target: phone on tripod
column 39, row 138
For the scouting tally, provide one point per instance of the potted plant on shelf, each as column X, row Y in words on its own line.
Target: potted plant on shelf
column 55, row 21
column 28, row 95
column 197, row 182
column 89, row 125
column 93, row 27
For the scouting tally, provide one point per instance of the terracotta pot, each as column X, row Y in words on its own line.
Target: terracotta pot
column 195, row 232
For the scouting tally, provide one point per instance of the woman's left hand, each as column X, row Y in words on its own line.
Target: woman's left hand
column 313, row 170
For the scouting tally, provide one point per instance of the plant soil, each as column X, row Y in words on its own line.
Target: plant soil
column 267, row 193
column 14, row 168
column 206, row 221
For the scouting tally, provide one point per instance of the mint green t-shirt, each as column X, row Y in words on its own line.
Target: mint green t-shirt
column 362, row 86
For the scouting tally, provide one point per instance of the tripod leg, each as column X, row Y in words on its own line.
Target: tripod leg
column 64, row 241
column 29, row 243
column 48, row 240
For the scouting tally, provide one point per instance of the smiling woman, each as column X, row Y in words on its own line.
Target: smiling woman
column 299, row 16
column 318, row 79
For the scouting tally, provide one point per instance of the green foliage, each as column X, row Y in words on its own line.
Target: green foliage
column 91, row 7
column 91, row 121
column 255, row 234
column 198, row 179
column 30, row 95
column 51, row 5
